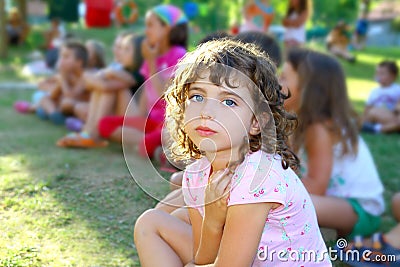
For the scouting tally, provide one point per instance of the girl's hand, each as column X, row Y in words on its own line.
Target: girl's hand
column 149, row 52
column 215, row 199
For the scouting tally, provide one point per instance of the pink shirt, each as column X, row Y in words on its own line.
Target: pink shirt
column 155, row 104
column 291, row 230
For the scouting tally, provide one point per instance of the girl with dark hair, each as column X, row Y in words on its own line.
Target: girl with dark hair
column 296, row 16
column 338, row 169
column 111, row 93
column 166, row 36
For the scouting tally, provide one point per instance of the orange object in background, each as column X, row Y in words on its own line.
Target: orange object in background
column 98, row 13
column 258, row 16
column 126, row 12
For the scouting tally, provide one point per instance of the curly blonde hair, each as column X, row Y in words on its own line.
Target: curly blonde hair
column 235, row 57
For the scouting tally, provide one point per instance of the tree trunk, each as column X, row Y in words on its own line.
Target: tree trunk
column 22, row 9
column 3, row 34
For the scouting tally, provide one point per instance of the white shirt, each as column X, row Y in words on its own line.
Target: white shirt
column 386, row 97
column 356, row 176
column 295, row 33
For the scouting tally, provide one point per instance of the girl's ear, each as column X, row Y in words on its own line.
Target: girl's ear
column 254, row 127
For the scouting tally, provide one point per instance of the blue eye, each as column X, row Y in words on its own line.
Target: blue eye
column 229, row 103
column 197, row 98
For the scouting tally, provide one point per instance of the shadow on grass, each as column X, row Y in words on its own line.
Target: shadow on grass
column 79, row 205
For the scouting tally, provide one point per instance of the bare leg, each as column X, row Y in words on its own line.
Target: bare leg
column 393, row 236
column 182, row 214
column 163, row 240
column 389, row 121
column 176, row 180
column 379, row 115
column 122, row 101
column 131, row 136
column 100, row 105
column 48, row 105
column 81, row 110
column 329, row 209
column 174, row 200
column 67, row 105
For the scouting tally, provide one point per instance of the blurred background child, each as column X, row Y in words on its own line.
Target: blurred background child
column 296, row 17
column 382, row 111
column 112, row 89
column 96, row 55
column 338, row 41
column 68, row 88
column 165, row 43
column 16, row 28
column 338, row 169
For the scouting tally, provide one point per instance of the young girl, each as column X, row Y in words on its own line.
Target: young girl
column 297, row 14
column 96, row 53
column 164, row 45
column 243, row 197
column 339, row 171
column 111, row 92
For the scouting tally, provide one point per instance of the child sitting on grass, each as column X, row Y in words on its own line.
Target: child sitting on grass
column 111, row 91
column 67, row 91
column 338, row 169
column 382, row 112
column 242, row 194
column 165, row 43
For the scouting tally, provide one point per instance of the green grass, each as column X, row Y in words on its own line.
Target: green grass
column 62, row 207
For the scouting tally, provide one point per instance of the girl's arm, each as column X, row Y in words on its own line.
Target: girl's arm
column 93, row 82
column 241, row 236
column 215, row 209
column 297, row 22
column 242, row 233
column 120, row 75
column 319, row 149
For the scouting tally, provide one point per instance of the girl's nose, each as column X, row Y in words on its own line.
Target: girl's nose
column 208, row 111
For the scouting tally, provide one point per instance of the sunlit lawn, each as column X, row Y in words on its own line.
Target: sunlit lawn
column 63, row 207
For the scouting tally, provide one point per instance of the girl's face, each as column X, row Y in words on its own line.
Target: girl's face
column 91, row 54
column 127, row 51
column 218, row 118
column 383, row 76
column 67, row 61
column 289, row 80
column 116, row 49
column 156, row 32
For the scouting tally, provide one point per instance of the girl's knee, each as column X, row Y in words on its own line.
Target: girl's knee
column 176, row 180
column 146, row 223
column 81, row 111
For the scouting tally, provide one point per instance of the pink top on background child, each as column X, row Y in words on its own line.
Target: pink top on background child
column 163, row 62
column 291, row 235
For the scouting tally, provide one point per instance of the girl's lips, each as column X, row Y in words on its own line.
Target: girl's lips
column 205, row 131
